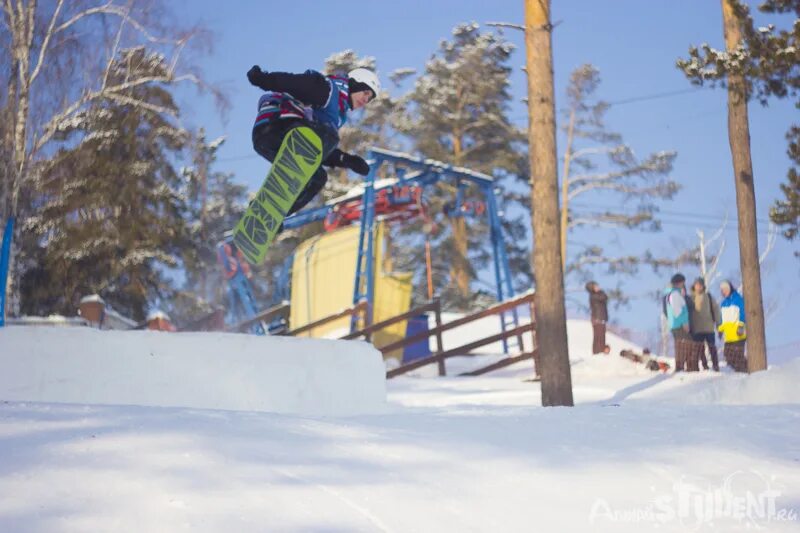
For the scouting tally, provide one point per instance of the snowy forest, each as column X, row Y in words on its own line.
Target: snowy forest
column 114, row 194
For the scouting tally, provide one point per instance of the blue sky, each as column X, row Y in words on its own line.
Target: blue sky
column 633, row 43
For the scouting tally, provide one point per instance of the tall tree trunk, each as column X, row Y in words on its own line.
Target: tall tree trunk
column 6, row 150
column 565, row 190
column 459, row 267
column 551, row 318
column 21, row 23
column 739, row 138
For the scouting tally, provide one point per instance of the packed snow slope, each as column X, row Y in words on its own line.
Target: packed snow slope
column 641, row 451
column 199, row 370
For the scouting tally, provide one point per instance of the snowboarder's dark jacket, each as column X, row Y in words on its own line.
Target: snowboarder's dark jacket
column 310, row 97
column 291, row 96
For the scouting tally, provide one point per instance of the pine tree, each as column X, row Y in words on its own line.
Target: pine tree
column 761, row 63
column 786, row 211
column 109, row 216
column 458, row 114
column 598, row 163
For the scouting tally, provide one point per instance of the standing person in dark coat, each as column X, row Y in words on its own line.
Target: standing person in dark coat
column 598, row 305
column 704, row 319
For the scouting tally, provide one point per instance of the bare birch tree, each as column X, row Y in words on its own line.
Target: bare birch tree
column 88, row 37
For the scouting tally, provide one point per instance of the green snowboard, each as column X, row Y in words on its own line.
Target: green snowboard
column 299, row 156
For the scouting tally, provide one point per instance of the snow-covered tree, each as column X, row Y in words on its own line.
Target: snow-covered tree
column 458, row 113
column 215, row 205
column 786, row 211
column 60, row 56
column 599, row 166
column 107, row 211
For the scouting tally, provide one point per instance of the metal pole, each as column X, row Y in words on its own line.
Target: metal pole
column 365, row 261
column 8, row 234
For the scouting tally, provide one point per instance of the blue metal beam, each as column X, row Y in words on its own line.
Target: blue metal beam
column 431, row 165
column 5, row 252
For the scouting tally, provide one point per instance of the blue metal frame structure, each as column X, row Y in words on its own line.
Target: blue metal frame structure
column 412, row 171
column 5, row 252
column 419, row 172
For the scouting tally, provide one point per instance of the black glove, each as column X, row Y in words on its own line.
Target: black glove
column 355, row 163
column 258, row 78
column 337, row 158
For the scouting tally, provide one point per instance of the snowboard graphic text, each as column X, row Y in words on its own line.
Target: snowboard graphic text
column 298, row 158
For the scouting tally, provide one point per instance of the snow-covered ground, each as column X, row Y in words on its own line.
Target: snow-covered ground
column 640, row 451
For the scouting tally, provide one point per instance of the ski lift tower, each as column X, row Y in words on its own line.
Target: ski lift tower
column 412, row 173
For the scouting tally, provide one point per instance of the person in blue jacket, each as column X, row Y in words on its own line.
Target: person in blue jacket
column 733, row 327
column 319, row 102
column 677, row 313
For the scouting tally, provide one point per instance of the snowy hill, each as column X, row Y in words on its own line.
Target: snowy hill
column 641, row 451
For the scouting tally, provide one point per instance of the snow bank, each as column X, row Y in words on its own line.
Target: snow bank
column 197, row 370
column 777, row 385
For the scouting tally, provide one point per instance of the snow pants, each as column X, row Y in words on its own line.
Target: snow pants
column 685, row 351
column 267, row 139
column 735, row 357
column 598, row 337
column 703, row 339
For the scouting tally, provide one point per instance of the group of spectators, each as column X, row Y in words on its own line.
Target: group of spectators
column 695, row 319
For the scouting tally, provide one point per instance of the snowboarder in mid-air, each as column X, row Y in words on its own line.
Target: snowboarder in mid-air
column 297, row 130
column 314, row 100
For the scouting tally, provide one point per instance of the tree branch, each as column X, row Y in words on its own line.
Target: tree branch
column 113, row 53
column 109, row 92
column 141, row 103
column 520, row 27
column 46, row 41
column 719, row 231
column 662, row 190
column 771, row 238
column 111, row 9
column 594, row 151
column 9, row 9
column 713, row 274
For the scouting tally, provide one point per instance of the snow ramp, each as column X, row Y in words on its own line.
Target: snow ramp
column 196, row 370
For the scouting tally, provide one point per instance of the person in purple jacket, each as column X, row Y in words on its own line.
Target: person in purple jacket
column 319, row 102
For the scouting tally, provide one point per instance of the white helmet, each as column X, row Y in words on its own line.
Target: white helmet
column 367, row 77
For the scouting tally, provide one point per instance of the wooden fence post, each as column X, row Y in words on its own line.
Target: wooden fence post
column 437, row 310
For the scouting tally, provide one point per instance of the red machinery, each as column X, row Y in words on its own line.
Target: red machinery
column 399, row 202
